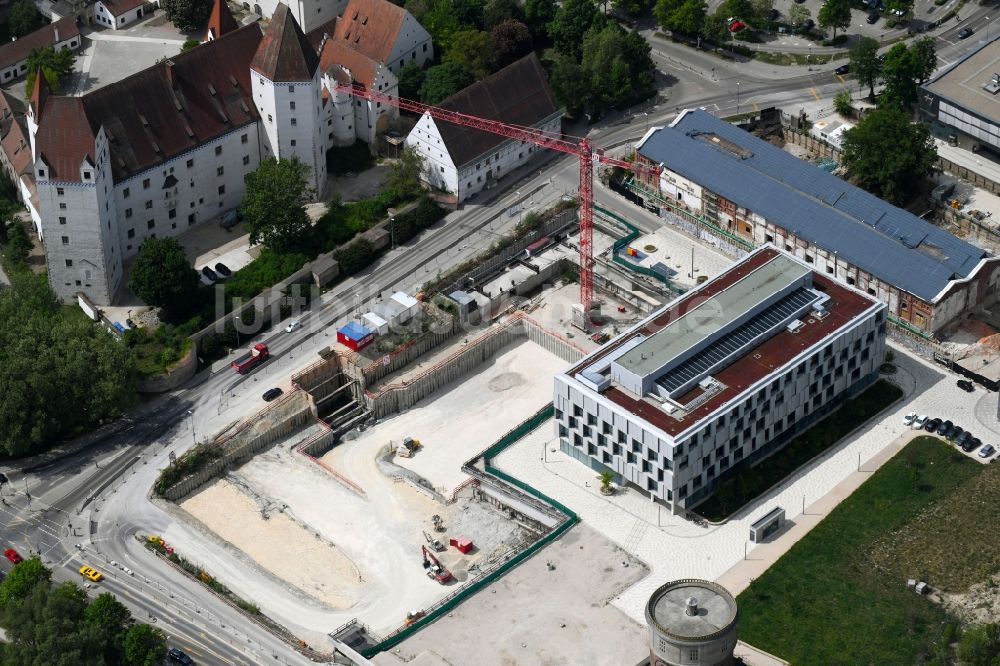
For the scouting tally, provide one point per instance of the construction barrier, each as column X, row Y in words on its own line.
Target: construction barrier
column 490, row 576
column 624, row 241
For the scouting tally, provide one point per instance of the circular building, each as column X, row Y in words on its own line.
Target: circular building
column 691, row 622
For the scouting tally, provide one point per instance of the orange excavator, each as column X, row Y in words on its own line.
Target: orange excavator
column 433, row 567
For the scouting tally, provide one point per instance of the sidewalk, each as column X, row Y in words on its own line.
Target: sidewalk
column 739, row 577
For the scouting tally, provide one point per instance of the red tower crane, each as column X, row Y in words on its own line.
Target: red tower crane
column 579, row 146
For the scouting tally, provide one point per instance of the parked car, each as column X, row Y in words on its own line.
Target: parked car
column 965, row 33
column 954, row 433
column 773, row 15
column 13, row 556
column 843, row 69
column 944, row 428
column 899, row 12
column 963, row 438
column 209, row 273
column 230, row 219
column 223, row 270
column 807, row 25
column 987, row 451
column 919, row 422
column 293, row 325
column 932, row 425
column 966, row 385
column 736, row 26
column 971, row 444
column 179, row 657
column 873, row 17
column 91, row 573
column 910, row 418
column 271, row 394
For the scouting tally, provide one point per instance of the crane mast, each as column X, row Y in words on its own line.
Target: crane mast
column 579, row 146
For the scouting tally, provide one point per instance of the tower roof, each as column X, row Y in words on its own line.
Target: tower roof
column 284, row 53
column 220, row 21
column 39, row 94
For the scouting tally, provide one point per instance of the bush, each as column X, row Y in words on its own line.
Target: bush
column 355, row 256
column 265, row 271
column 18, row 245
column 189, row 44
column 194, row 459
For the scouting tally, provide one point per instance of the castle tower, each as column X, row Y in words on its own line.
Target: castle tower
column 692, row 622
column 220, row 21
column 288, row 92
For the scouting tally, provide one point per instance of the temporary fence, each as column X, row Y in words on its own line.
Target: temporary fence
column 633, row 233
column 491, row 574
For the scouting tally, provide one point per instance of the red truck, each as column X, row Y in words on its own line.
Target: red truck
column 246, row 363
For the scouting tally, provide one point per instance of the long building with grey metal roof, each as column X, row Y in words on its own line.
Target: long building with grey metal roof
column 750, row 192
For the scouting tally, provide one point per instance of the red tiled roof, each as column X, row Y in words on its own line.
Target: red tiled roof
column 316, row 35
column 119, row 7
column 518, row 94
column 363, row 69
column 60, row 31
column 16, row 144
column 220, row 21
column 157, row 113
column 843, row 307
column 285, row 54
column 371, row 26
column 39, row 94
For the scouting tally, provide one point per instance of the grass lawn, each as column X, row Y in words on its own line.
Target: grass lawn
column 826, row 602
column 749, row 483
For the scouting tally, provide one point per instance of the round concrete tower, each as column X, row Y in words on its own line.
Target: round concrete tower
column 691, row 622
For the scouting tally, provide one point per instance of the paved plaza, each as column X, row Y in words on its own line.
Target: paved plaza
column 677, row 548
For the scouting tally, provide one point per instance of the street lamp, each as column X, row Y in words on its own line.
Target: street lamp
column 194, row 438
column 392, row 227
column 737, row 98
column 236, row 327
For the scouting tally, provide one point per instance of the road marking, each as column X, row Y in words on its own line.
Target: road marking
column 815, row 93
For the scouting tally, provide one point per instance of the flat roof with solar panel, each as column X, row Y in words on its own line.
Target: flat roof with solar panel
column 707, row 347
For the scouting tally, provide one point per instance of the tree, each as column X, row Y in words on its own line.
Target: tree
column 496, row 12
column 404, row 175
column 618, row 67
column 689, row 18
column 162, row 276
column 888, row 155
column 835, row 14
column 511, row 41
column 472, row 50
column 410, row 78
column 571, row 23
column 865, row 64
column 980, row 645
column 924, row 55
column 905, row 6
column 715, row 29
column 569, row 82
column 273, row 209
column 663, row 10
column 22, row 579
column 145, row 646
column 537, row 15
column 109, row 617
column 444, row 80
column 59, row 373
column 798, row 14
column 54, row 65
column 633, row 7
column 842, row 103
column 741, row 9
column 761, row 9
column 24, row 18
column 188, row 15
column 898, row 72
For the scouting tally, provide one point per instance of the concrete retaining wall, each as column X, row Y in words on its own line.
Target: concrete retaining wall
column 173, row 377
column 395, row 398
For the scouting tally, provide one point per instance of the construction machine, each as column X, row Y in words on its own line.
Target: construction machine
column 435, row 544
column 408, row 447
column 433, row 567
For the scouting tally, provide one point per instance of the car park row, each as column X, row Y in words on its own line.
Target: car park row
column 963, row 439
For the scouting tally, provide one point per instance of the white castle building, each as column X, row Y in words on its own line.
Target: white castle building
column 167, row 148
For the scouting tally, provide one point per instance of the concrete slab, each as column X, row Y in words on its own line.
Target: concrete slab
column 537, row 615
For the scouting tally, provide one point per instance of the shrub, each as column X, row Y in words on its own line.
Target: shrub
column 265, row 271
column 355, row 256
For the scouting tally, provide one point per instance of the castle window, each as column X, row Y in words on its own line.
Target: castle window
column 190, row 163
column 128, row 212
column 172, row 213
column 243, row 138
column 62, row 220
column 131, row 233
column 294, row 122
column 60, row 191
column 145, row 183
column 218, row 150
column 69, row 263
column 41, row 172
column 65, row 240
column 246, row 160
column 219, row 171
column 150, row 224
column 149, row 204
column 291, row 105
column 222, row 189
column 293, row 143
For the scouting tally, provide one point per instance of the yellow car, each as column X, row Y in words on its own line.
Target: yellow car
column 91, row 573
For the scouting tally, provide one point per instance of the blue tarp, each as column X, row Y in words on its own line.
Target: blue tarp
column 355, row 331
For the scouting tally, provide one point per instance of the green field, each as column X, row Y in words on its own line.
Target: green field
column 827, row 602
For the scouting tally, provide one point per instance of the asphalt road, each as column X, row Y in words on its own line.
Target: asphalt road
column 98, row 497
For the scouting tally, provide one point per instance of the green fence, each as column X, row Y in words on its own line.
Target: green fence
column 634, row 232
column 461, row 595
